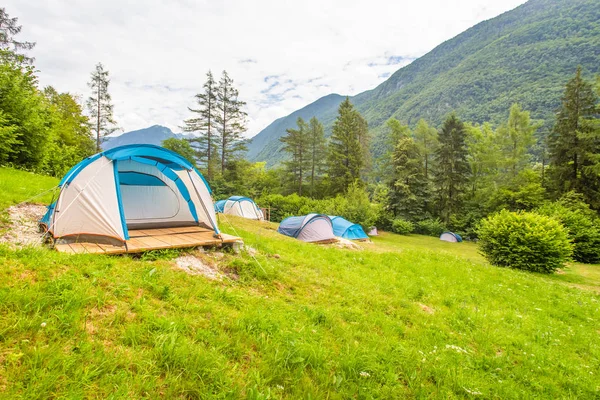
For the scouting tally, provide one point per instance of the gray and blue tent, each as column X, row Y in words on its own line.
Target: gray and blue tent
column 241, row 206
column 308, row 228
column 346, row 229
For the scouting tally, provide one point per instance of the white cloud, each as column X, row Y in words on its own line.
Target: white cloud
column 158, row 51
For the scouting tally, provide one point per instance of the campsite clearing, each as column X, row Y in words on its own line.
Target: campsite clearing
column 403, row 316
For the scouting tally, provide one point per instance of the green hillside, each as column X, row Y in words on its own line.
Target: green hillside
column 403, row 317
column 525, row 55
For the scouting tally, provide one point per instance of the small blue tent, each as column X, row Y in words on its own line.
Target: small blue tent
column 346, row 229
column 450, row 237
column 219, row 205
column 308, row 228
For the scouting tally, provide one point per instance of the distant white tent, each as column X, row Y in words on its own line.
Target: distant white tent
column 373, row 231
column 450, row 237
column 240, row 206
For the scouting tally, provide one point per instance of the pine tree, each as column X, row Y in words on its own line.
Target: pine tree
column 230, row 120
column 408, row 185
column 9, row 46
column 516, row 138
column 346, row 155
column 205, row 144
column 574, row 141
column 100, row 106
column 317, row 150
column 452, row 168
column 426, row 138
column 297, row 144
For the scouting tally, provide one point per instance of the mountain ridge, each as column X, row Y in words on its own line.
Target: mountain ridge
column 154, row 134
column 524, row 55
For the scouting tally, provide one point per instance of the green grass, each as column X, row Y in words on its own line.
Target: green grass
column 405, row 317
column 17, row 186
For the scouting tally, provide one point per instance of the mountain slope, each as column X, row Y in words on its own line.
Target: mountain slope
column 266, row 145
column 152, row 135
column 525, row 55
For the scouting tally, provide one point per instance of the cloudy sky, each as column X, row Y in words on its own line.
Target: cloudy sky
column 281, row 54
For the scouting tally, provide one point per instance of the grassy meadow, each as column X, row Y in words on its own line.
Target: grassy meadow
column 403, row 317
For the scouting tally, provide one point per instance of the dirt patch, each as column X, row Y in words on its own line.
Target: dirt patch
column 23, row 229
column 195, row 266
column 346, row 244
column 427, row 309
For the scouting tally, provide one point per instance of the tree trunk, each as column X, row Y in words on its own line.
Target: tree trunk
column 224, row 144
column 312, row 173
column 209, row 137
column 98, row 122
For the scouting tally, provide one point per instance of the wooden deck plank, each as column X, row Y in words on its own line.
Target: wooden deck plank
column 153, row 239
column 111, row 249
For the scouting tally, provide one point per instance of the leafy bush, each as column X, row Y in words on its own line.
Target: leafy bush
column 355, row 206
column 524, row 240
column 583, row 230
column 430, row 227
column 402, row 226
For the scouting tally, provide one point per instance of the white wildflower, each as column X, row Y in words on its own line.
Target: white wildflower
column 472, row 392
column 456, row 348
column 365, row 374
column 43, row 324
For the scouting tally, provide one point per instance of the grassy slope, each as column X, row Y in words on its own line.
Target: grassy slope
column 16, row 186
column 316, row 322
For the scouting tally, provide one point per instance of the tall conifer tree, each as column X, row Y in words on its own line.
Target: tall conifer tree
column 426, row 137
column 230, row 120
column 408, row 185
column 452, row 168
column 516, row 138
column 100, row 105
column 205, row 144
column 296, row 143
column 575, row 141
column 317, row 150
column 346, row 153
column 10, row 48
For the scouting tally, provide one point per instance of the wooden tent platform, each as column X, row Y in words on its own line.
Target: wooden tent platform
column 153, row 239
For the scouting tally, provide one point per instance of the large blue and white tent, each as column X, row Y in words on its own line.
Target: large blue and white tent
column 240, row 206
column 308, row 228
column 346, row 229
column 130, row 187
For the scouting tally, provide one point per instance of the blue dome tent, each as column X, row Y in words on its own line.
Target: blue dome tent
column 241, row 206
column 219, row 205
column 127, row 188
column 346, row 229
column 451, row 237
column 308, row 228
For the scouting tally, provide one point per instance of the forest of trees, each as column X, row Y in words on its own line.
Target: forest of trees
column 427, row 178
column 433, row 179
column 42, row 129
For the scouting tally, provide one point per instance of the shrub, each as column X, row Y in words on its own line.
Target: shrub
column 402, row 226
column 430, row 227
column 524, row 240
column 583, row 230
column 354, row 205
